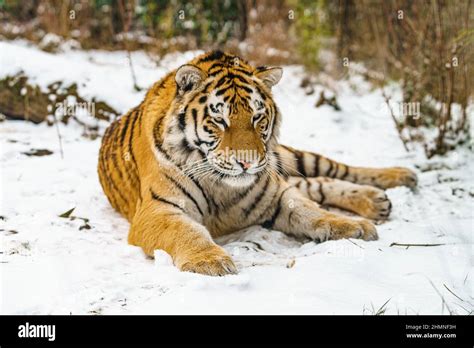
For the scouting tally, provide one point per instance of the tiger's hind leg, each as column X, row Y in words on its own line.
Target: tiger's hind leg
column 364, row 200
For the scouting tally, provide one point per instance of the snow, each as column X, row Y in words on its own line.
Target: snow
column 98, row 74
column 53, row 265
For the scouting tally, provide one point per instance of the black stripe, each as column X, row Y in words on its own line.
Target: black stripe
column 307, row 188
column 125, row 127
column 194, row 113
column 260, row 91
column 221, row 81
column 346, row 172
column 243, row 71
column 109, row 174
column 213, row 205
column 207, row 130
column 300, row 163
column 206, row 114
column 216, row 65
column 334, row 175
column 115, row 163
column 245, row 88
column 114, row 144
column 271, row 222
column 316, row 166
column 223, row 90
column 215, row 69
column 106, row 180
column 214, row 73
column 186, row 145
column 182, row 120
column 192, row 100
column 163, row 200
column 130, row 146
column 238, row 78
column 140, row 113
column 273, row 117
column 330, row 167
column 202, row 193
column 206, row 87
column 156, row 129
column 290, row 216
column 221, row 122
column 114, row 187
column 130, row 150
column 257, row 200
column 214, row 55
column 242, row 195
column 320, row 190
column 185, row 192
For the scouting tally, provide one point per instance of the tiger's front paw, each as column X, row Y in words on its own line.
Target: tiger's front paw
column 212, row 261
column 396, row 176
column 332, row 226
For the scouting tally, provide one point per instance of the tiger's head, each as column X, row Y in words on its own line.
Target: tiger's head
column 224, row 109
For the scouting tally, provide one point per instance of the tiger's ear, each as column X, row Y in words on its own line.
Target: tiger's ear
column 269, row 76
column 188, row 77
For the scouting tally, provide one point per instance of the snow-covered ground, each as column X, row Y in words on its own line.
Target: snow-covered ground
column 54, row 265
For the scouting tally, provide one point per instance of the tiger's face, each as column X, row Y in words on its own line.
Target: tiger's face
column 229, row 116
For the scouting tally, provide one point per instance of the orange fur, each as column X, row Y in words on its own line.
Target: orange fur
column 165, row 167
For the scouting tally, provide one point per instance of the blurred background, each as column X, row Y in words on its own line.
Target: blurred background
column 425, row 46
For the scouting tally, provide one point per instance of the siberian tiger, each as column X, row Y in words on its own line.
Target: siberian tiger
column 199, row 158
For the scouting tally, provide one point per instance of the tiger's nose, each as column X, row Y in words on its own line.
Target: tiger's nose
column 244, row 164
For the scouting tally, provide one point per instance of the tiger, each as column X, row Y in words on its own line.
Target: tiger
column 199, row 158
